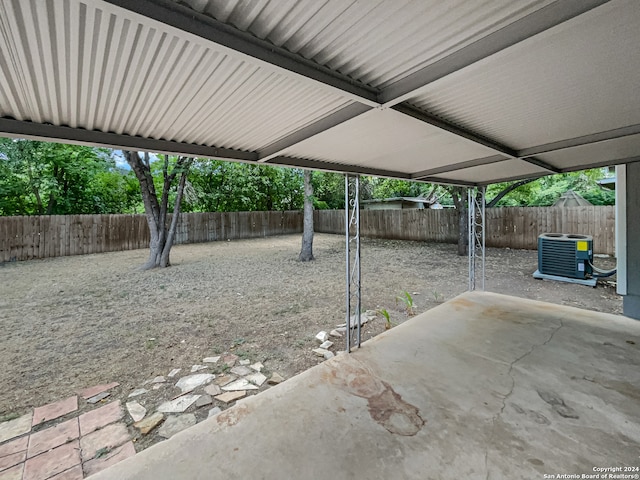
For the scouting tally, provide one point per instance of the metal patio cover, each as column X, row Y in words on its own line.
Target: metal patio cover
column 452, row 91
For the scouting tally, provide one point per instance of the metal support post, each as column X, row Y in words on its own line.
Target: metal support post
column 476, row 231
column 352, row 236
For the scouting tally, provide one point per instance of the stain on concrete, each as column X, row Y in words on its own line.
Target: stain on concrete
column 393, row 413
column 460, row 303
column 536, row 417
column 232, row 416
column 535, row 461
column 623, row 388
column 386, row 406
column 558, row 404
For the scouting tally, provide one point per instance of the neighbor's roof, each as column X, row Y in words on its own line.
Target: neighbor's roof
column 401, row 199
column 450, row 91
column 572, row 199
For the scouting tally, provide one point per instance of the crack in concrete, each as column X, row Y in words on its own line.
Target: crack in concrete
column 513, row 386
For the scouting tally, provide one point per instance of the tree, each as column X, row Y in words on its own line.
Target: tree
column 43, row 178
column 156, row 209
column 228, row 186
column 458, row 195
column 507, row 190
column 306, row 252
column 545, row 191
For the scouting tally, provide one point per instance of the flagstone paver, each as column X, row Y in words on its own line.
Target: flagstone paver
column 15, row 428
column 55, row 410
column 97, row 439
column 178, row 405
column 97, row 464
column 14, row 446
column 95, row 390
column 12, row 460
column 136, row 411
column 176, row 423
column 98, row 397
column 229, row 397
column 52, row 437
column 149, row 423
column 54, row 461
column 13, row 473
column 100, row 417
column 74, row 473
column 108, row 437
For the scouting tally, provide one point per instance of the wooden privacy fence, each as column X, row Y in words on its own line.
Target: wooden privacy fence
column 513, row 227
column 22, row 238
column 427, row 225
column 519, row 227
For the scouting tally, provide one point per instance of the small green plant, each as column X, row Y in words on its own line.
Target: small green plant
column 407, row 300
column 102, row 452
column 8, row 416
column 385, row 314
column 438, row 297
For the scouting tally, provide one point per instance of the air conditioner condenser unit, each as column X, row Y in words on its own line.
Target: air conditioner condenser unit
column 565, row 257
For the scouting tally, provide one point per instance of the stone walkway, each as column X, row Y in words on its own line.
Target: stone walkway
column 77, row 447
column 59, row 442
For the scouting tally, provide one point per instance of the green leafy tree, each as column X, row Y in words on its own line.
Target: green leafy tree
column 43, row 178
column 227, row 186
column 545, row 191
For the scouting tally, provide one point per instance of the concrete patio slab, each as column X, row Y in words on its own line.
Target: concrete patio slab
column 484, row 386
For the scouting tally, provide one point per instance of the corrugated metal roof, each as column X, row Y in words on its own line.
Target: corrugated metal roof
column 388, row 139
column 126, row 72
column 575, row 79
column 103, row 68
column 376, row 41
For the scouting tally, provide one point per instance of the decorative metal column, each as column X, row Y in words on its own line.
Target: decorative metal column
column 476, row 227
column 352, row 236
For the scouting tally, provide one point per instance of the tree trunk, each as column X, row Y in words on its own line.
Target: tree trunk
column 161, row 238
column 460, row 202
column 306, row 253
column 508, row 190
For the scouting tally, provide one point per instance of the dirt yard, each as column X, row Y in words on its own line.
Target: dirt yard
column 73, row 322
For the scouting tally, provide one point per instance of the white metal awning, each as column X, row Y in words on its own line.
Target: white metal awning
column 455, row 92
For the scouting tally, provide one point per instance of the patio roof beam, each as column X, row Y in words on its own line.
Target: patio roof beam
column 581, row 141
column 55, row 133
column 336, row 167
column 458, row 166
column 469, row 135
